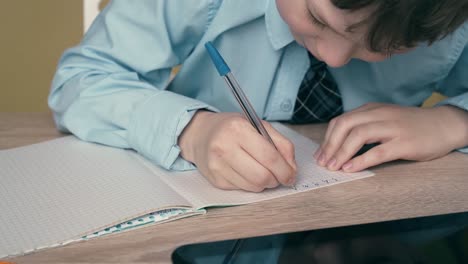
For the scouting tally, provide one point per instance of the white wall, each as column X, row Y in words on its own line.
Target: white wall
column 90, row 11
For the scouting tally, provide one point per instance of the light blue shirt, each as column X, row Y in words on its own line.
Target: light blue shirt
column 113, row 88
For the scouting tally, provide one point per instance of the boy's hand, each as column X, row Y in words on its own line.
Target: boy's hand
column 231, row 154
column 408, row 133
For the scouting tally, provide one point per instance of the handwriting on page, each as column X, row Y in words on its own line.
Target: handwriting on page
column 310, row 175
column 317, row 184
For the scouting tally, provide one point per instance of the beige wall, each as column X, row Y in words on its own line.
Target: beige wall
column 34, row 33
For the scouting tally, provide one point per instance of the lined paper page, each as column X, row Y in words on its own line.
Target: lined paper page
column 310, row 176
column 63, row 189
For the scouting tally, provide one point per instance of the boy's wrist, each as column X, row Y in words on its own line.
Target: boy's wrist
column 188, row 136
column 456, row 121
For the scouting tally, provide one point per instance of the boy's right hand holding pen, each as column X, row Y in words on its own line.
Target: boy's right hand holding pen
column 235, row 151
column 231, row 154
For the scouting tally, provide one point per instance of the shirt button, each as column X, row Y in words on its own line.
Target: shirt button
column 286, row 105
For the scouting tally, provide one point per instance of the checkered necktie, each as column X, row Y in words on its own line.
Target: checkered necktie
column 318, row 99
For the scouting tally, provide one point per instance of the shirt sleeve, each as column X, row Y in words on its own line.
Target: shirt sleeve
column 455, row 85
column 110, row 89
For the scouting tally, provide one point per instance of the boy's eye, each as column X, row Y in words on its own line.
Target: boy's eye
column 317, row 22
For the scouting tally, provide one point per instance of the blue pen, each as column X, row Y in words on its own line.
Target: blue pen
column 245, row 104
column 226, row 73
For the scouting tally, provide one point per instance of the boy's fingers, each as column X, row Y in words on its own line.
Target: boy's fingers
column 343, row 125
column 377, row 155
column 237, row 180
column 332, row 123
column 252, row 171
column 283, row 144
column 221, row 182
column 358, row 136
column 266, row 154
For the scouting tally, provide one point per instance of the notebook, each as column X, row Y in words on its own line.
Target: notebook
column 65, row 190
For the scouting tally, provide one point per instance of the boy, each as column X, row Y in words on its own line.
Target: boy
column 114, row 87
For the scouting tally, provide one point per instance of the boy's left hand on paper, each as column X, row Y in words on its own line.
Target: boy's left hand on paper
column 408, row 133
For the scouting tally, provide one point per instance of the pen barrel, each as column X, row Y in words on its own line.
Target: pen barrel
column 247, row 108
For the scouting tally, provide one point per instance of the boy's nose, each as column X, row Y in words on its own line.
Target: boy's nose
column 336, row 56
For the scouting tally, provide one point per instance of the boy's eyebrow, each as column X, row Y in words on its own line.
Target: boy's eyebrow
column 323, row 21
column 349, row 28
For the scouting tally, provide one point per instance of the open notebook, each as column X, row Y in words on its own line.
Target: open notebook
column 65, row 190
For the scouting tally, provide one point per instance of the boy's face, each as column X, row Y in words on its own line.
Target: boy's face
column 322, row 28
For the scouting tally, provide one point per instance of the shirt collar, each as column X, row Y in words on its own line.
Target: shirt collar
column 278, row 31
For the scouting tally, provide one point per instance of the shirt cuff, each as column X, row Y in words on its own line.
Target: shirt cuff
column 156, row 125
column 461, row 102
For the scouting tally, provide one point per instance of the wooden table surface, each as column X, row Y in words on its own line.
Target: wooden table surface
column 400, row 190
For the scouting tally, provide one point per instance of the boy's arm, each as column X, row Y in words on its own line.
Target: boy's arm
column 102, row 93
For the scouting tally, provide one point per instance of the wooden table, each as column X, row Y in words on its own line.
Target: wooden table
column 400, row 190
